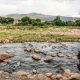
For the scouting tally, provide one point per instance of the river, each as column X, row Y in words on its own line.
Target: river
column 22, row 60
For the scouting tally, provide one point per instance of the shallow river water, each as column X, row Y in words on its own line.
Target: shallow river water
column 22, row 60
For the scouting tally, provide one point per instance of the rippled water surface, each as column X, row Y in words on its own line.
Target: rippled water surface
column 22, row 60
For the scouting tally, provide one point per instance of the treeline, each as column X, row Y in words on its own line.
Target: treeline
column 38, row 22
column 6, row 20
column 56, row 22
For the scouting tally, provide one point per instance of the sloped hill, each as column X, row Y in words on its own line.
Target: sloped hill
column 41, row 16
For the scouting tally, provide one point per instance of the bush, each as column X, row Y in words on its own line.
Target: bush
column 77, row 22
column 7, row 20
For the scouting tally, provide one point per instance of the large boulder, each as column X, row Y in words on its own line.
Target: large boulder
column 48, row 59
column 75, row 76
column 59, row 77
column 6, row 61
column 7, row 76
column 36, row 56
column 49, row 74
column 22, row 75
column 32, row 77
column 53, row 77
column 4, row 56
column 43, row 77
column 67, row 73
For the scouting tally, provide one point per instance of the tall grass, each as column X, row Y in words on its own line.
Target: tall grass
column 30, row 33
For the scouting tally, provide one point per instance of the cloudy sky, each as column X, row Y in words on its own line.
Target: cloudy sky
column 48, row 7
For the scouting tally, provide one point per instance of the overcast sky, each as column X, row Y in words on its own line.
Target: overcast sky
column 49, row 7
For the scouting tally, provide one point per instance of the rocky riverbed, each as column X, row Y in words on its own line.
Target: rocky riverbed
column 38, row 57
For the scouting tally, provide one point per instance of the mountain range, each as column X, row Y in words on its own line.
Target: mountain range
column 41, row 16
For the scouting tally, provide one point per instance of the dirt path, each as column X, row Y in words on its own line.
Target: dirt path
column 70, row 32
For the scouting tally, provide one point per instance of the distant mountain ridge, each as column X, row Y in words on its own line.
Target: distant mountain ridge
column 41, row 16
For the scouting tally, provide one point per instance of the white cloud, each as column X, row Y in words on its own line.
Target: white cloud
column 49, row 7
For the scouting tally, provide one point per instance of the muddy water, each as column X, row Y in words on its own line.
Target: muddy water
column 22, row 60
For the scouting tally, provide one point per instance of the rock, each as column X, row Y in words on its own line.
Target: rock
column 69, row 56
column 48, row 74
column 28, row 49
column 36, row 50
column 36, row 57
column 34, row 71
column 10, row 52
column 59, row 77
column 75, row 76
column 67, row 73
column 7, row 76
column 43, row 77
column 23, row 78
column 45, row 46
column 60, row 54
column 49, row 45
column 4, row 56
column 54, row 55
column 53, row 47
column 6, row 61
column 65, row 78
column 21, row 73
column 53, row 77
column 61, row 70
column 6, row 41
column 1, row 72
column 31, row 77
column 48, row 59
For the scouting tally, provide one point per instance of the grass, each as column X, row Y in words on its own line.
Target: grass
column 29, row 33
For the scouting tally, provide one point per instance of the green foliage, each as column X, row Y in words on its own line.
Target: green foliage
column 7, row 20
column 58, row 22
column 26, row 20
column 49, row 23
column 77, row 22
column 70, row 23
column 37, row 22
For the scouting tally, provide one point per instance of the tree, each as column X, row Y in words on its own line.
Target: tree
column 70, row 23
column 57, row 21
column 38, row 20
column 26, row 20
column 2, row 20
column 49, row 23
column 77, row 22
column 7, row 20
